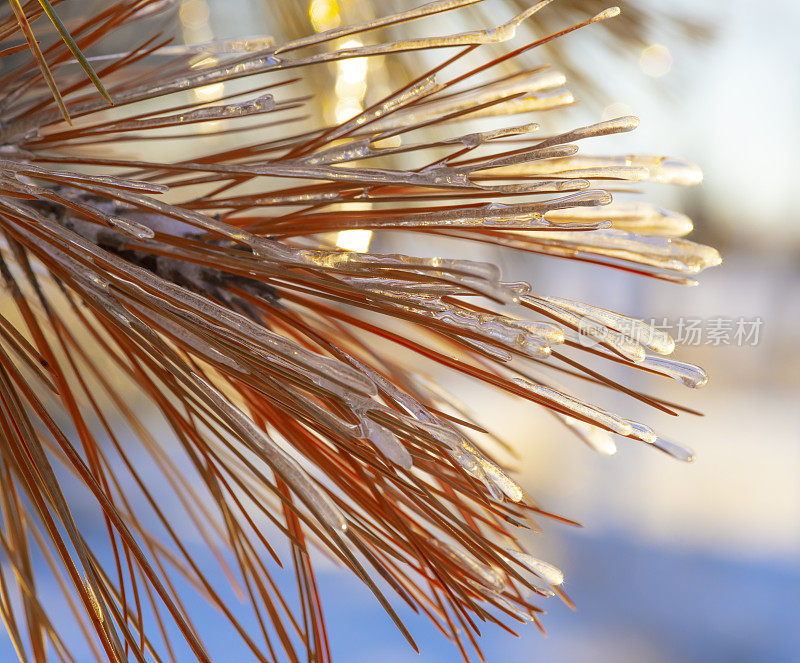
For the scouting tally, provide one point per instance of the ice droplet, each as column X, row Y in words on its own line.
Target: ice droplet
column 642, row 432
column 132, row 228
column 387, row 443
column 687, row 374
column 674, row 449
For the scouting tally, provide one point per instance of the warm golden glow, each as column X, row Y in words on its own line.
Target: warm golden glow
column 351, row 84
column 195, row 24
column 324, row 14
column 194, row 13
column 354, row 240
column 206, row 94
column 210, row 92
column 655, row 60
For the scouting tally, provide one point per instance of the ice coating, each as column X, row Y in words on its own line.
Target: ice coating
column 561, row 400
column 132, row 228
column 617, row 125
column 522, row 83
column 487, row 350
column 283, row 464
column 321, row 371
column 545, row 571
column 639, row 331
column 659, row 169
column 198, row 345
column 31, row 170
column 590, row 329
column 278, row 362
column 363, row 148
column 467, row 457
column 263, row 61
column 477, row 138
column 262, row 104
column 632, row 217
column 533, row 154
column 642, row 432
column 520, row 216
column 597, row 438
column 550, row 333
column 514, row 609
column 494, row 328
column 472, row 275
column 237, row 45
column 668, row 253
column 426, row 9
column 483, row 573
column 433, row 290
column 538, row 101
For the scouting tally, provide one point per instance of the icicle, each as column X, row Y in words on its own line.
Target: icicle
column 675, row 450
column 646, row 434
column 588, row 327
column 519, row 288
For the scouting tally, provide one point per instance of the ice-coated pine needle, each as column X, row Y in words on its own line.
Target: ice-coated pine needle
column 205, row 290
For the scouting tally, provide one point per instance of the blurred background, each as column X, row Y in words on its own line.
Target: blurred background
column 675, row 562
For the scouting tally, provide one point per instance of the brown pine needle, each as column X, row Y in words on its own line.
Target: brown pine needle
column 22, row 20
column 73, row 47
column 224, row 297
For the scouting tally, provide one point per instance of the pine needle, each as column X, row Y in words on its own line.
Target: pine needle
column 37, row 53
column 73, row 47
